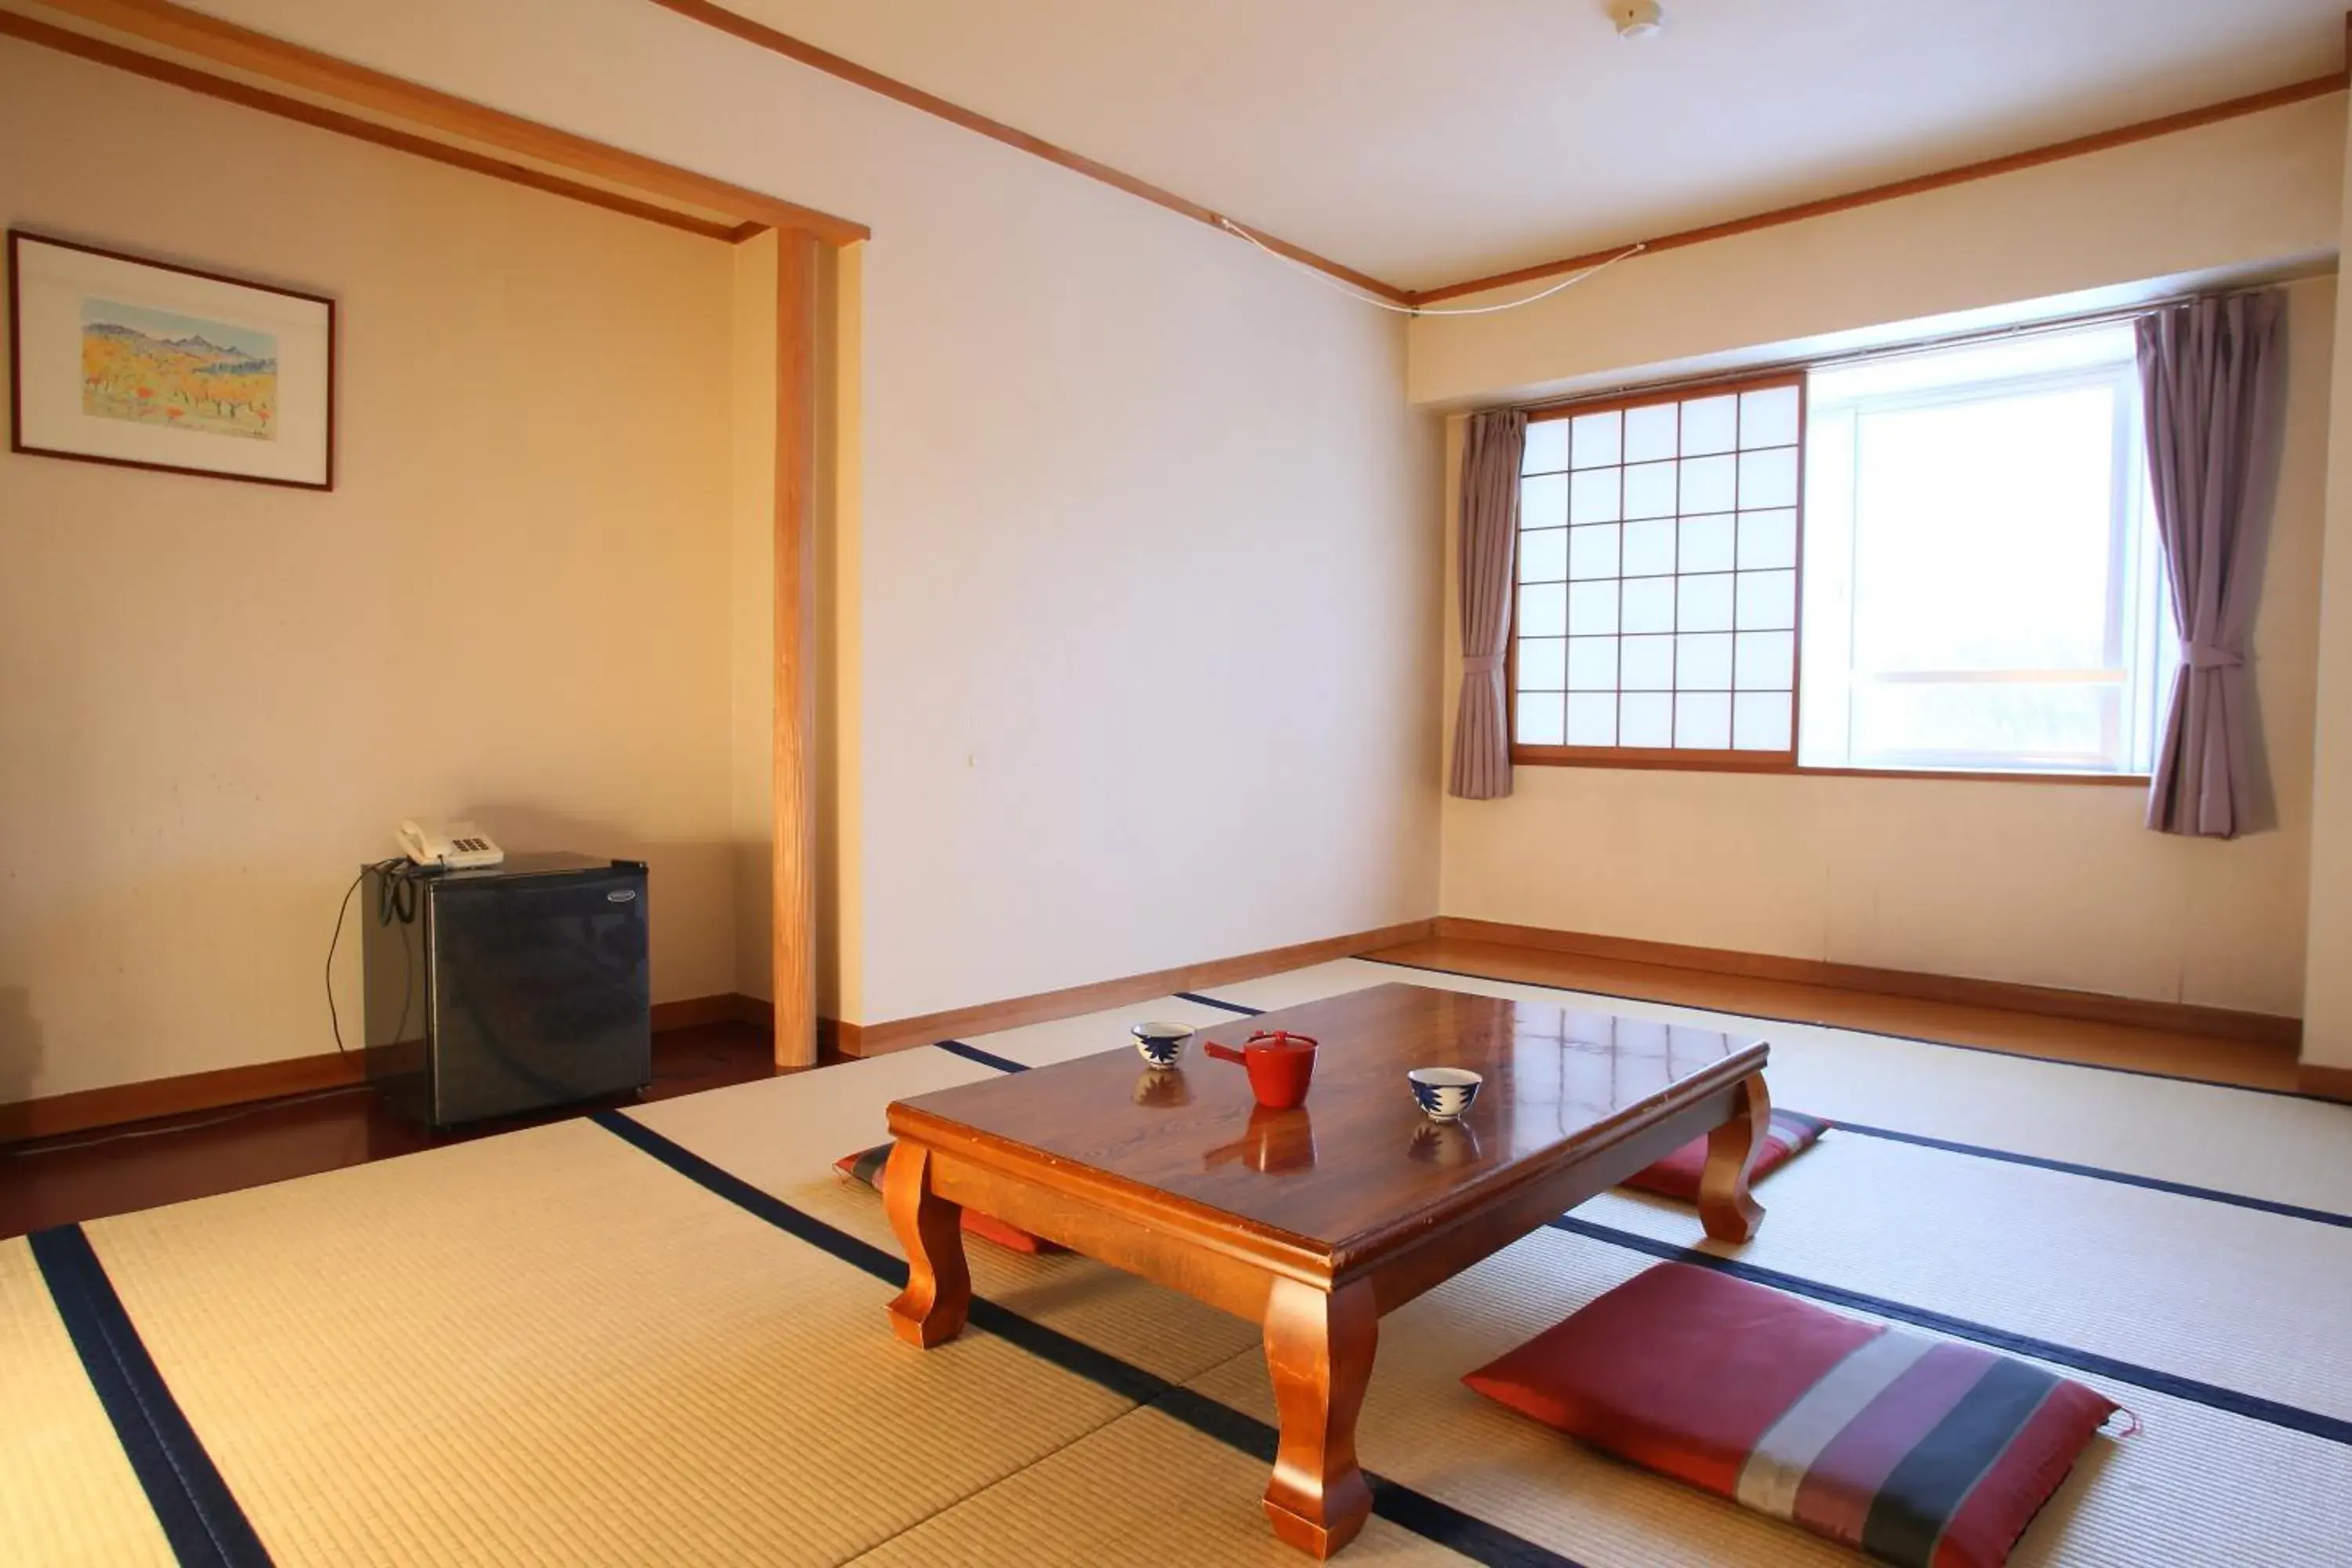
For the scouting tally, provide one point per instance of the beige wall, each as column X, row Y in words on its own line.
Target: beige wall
column 2045, row 884
column 216, row 699
column 1114, row 468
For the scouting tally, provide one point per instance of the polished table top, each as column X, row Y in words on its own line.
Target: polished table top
column 1357, row 1159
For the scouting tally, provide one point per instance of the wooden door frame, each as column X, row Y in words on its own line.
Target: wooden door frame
column 368, row 105
column 793, row 868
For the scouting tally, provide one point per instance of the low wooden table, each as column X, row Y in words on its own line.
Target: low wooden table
column 1316, row 1221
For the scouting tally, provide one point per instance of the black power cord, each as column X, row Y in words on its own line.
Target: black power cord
column 29, row 1150
column 396, row 897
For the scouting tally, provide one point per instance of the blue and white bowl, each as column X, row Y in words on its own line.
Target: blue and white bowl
column 1443, row 1093
column 1162, row 1043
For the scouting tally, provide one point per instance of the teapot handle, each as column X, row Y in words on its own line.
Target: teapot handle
column 1222, row 1053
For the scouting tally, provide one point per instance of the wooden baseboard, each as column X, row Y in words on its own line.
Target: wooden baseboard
column 2328, row 1083
column 2092, row 1007
column 758, row 1012
column 116, row 1104
column 834, row 1037
column 876, row 1039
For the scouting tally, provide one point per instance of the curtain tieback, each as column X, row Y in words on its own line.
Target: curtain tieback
column 1481, row 663
column 2212, row 656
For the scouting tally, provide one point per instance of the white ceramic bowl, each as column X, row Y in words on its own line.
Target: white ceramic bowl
column 1443, row 1093
column 1162, row 1043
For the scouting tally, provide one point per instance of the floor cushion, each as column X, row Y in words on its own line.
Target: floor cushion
column 1676, row 1176
column 1918, row 1450
column 866, row 1166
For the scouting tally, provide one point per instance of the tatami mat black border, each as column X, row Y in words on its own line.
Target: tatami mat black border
column 1852, row 1029
column 974, row 1054
column 2253, row 1407
column 1399, row 1504
column 199, row 1515
column 1195, row 998
column 2099, row 1173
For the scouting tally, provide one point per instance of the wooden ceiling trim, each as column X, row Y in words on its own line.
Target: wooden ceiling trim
column 226, row 45
column 2075, row 147
column 740, row 27
column 114, row 54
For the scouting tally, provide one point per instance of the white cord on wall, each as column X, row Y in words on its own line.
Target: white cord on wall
column 1352, row 292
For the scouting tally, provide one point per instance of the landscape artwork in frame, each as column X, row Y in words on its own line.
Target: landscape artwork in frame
column 117, row 360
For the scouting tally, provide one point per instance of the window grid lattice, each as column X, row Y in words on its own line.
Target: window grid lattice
column 1657, row 575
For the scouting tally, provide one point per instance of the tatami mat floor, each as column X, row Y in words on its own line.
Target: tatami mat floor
column 658, row 1339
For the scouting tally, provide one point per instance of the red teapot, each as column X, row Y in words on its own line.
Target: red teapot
column 1280, row 1065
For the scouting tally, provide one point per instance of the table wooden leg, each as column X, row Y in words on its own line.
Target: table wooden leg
column 1318, row 1348
column 1725, row 1204
column 931, row 1310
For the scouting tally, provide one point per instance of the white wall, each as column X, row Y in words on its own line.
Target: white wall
column 2040, row 883
column 751, row 611
column 1114, row 468
column 216, row 698
column 2327, row 998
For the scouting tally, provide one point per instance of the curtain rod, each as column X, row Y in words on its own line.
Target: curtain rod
column 1900, row 351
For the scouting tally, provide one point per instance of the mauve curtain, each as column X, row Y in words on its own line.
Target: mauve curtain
column 1490, row 537
column 2209, row 371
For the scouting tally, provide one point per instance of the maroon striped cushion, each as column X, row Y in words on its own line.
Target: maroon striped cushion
column 1676, row 1176
column 866, row 1168
column 1920, row 1451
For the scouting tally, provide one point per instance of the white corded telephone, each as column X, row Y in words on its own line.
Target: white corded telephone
column 458, row 845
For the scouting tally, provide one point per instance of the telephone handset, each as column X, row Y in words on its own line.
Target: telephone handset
column 458, row 845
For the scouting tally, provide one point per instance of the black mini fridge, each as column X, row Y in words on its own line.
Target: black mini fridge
column 505, row 989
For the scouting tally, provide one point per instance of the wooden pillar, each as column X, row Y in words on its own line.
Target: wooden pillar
column 793, row 873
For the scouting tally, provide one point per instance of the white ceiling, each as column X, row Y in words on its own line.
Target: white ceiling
column 1428, row 141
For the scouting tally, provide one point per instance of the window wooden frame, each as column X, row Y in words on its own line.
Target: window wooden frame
column 1695, row 759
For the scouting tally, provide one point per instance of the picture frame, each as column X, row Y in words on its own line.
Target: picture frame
column 124, row 359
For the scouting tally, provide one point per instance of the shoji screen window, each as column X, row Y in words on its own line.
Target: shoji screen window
column 1656, row 620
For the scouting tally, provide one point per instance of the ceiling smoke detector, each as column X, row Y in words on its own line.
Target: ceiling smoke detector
column 1639, row 19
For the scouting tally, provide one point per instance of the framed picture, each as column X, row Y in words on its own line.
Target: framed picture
column 117, row 360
